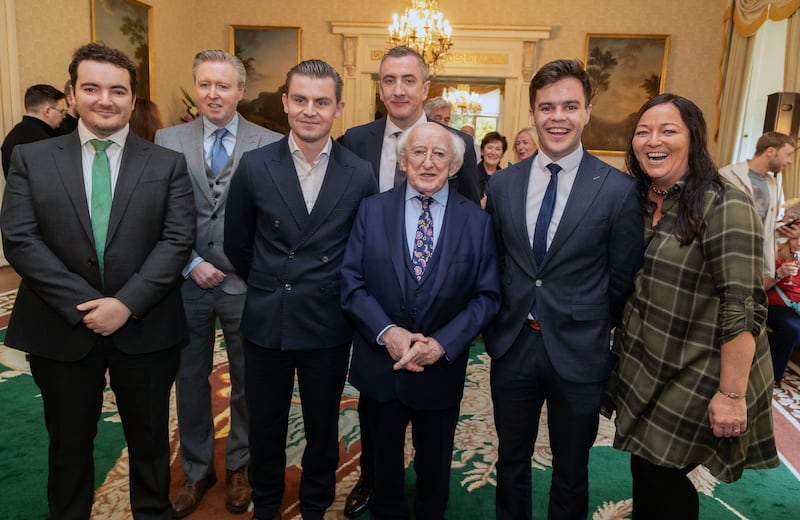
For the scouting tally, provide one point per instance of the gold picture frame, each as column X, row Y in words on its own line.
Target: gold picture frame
column 626, row 70
column 127, row 25
column 267, row 54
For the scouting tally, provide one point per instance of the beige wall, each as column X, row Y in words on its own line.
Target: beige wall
column 48, row 31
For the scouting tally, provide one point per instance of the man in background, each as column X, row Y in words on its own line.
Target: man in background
column 44, row 110
column 291, row 207
column 213, row 145
column 757, row 177
column 100, row 289
column 438, row 109
column 70, row 122
column 403, row 87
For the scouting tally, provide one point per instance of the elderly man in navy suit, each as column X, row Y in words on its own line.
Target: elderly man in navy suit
column 98, row 224
column 290, row 209
column 569, row 230
column 213, row 145
column 403, row 86
column 420, row 281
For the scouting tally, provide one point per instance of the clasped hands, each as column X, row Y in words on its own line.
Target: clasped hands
column 412, row 351
column 104, row 316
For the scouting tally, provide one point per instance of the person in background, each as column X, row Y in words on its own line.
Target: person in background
column 468, row 129
column 756, row 177
column 213, row 144
column 569, row 230
column 44, row 110
column 416, row 315
column 493, row 147
column 291, row 207
column 70, row 121
column 693, row 380
column 525, row 143
column 783, row 318
column 438, row 109
column 100, row 291
column 402, row 86
column 146, row 119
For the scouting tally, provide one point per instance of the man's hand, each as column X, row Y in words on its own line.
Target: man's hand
column 424, row 351
column 398, row 341
column 206, row 276
column 104, row 315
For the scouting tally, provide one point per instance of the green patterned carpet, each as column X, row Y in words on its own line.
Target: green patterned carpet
column 773, row 494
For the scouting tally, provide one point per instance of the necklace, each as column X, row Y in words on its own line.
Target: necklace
column 658, row 191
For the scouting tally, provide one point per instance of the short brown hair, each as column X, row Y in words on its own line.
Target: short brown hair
column 775, row 140
column 38, row 95
column 556, row 71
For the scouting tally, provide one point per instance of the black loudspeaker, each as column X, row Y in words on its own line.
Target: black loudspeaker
column 783, row 113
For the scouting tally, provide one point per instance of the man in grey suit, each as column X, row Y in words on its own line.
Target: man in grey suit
column 213, row 145
column 98, row 224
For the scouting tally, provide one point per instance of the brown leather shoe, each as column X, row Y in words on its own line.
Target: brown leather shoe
column 188, row 496
column 237, row 494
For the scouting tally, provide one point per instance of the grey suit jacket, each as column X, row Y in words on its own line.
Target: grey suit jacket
column 47, row 236
column 211, row 194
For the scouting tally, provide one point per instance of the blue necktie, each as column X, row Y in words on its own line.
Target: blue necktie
column 545, row 214
column 423, row 240
column 219, row 156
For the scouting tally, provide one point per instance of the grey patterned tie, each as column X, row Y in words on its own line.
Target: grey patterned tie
column 399, row 174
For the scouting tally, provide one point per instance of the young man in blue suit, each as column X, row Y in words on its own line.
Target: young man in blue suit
column 420, row 282
column 212, row 145
column 98, row 224
column 290, row 209
column 570, row 234
column 403, row 87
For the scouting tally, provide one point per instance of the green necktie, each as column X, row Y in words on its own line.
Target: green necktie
column 101, row 198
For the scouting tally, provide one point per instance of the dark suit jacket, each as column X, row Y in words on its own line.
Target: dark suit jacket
column 29, row 130
column 47, row 238
column 457, row 297
column 588, row 271
column 291, row 259
column 367, row 140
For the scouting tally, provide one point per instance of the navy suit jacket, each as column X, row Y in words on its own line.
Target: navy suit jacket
column 367, row 141
column 290, row 259
column 460, row 295
column 586, row 276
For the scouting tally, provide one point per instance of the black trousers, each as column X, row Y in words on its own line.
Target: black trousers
column 269, row 380
column 72, row 394
column 432, row 433
column 661, row 493
column 522, row 380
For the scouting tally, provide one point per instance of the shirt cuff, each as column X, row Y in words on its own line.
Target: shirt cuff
column 378, row 340
column 191, row 265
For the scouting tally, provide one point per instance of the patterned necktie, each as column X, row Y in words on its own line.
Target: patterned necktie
column 545, row 214
column 423, row 240
column 101, row 198
column 399, row 174
column 219, row 156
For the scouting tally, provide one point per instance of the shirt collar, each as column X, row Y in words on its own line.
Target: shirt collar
column 294, row 149
column 440, row 196
column 232, row 126
column 568, row 164
column 392, row 128
column 119, row 137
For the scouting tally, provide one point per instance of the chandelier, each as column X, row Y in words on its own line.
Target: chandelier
column 423, row 28
column 464, row 101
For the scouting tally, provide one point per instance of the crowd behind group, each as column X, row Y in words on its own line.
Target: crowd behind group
column 381, row 256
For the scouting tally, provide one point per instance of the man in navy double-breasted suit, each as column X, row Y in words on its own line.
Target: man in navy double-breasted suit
column 569, row 230
column 420, row 281
column 291, row 205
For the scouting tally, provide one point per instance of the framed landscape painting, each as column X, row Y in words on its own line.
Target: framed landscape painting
column 267, row 54
column 626, row 70
column 125, row 25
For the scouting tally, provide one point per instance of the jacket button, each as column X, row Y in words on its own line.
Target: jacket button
column 287, row 287
column 291, row 255
column 324, row 258
column 322, row 290
column 538, row 283
column 276, row 223
column 213, row 217
column 211, row 244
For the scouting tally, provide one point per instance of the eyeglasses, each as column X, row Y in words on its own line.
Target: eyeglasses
column 62, row 110
column 419, row 155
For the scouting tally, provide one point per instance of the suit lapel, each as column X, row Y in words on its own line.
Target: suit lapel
column 281, row 170
column 375, row 146
column 394, row 218
column 69, row 163
column 135, row 155
column 590, row 177
column 246, row 139
column 192, row 143
column 519, row 177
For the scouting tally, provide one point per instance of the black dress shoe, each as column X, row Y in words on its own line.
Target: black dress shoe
column 359, row 498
